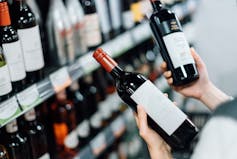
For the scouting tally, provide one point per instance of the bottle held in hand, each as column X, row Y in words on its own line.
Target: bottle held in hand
column 165, row 118
column 174, row 47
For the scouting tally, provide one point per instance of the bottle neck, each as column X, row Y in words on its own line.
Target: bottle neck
column 116, row 72
column 4, row 15
column 156, row 4
column 21, row 3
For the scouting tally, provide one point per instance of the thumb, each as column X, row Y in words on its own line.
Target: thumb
column 197, row 58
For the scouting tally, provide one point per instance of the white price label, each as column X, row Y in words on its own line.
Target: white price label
column 8, row 109
column 29, row 97
column 60, row 79
column 118, row 127
column 98, row 144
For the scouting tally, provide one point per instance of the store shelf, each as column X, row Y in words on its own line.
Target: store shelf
column 105, row 138
column 63, row 77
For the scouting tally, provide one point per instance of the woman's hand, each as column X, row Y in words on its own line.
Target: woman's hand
column 157, row 147
column 196, row 88
column 202, row 89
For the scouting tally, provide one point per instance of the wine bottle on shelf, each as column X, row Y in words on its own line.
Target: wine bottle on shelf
column 174, row 47
column 64, row 125
column 5, row 80
column 105, row 23
column 17, row 145
column 28, row 30
column 12, row 49
column 36, row 135
column 82, row 113
column 3, row 153
column 165, row 118
column 77, row 18
column 115, row 8
column 127, row 15
column 93, row 35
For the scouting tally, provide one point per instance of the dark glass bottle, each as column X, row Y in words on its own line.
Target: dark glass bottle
column 93, row 34
column 5, row 80
column 64, row 125
column 17, row 145
column 166, row 119
column 82, row 113
column 36, row 135
column 174, row 47
column 3, row 152
column 28, row 30
column 12, row 49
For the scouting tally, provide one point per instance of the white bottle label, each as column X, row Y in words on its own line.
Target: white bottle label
column 14, row 57
column 115, row 11
column 178, row 49
column 45, row 156
column 93, row 36
column 32, row 48
column 102, row 8
column 158, row 107
column 5, row 81
column 128, row 20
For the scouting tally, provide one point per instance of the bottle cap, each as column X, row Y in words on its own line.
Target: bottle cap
column 4, row 14
column 104, row 59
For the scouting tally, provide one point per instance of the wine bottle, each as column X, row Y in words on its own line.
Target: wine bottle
column 3, row 152
column 82, row 113
column 165, row 118
column 5, row 80
column 115, row 8
column 174, row 47
column 93, row 36
column 127, row 15
column 64, row 125
column 28, row 30
column 77, row 18
column 12, row 49
column 17, row 145
column 36, row 135
column 105, row 23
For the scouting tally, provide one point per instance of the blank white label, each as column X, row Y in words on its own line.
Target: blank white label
column 5, row 81
column 178, row 49
column 159, row 107
column 14, row 57
column 32, row 48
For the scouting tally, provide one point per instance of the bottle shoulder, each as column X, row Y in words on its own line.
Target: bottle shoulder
column 9, row 34
column 163, row 15
column 24, row 18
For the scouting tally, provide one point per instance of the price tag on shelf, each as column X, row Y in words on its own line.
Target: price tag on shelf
column 60, row 79
column 9, row 110
column 118, row 127
column 29, row 97
column 98, row 144
column 88, row 63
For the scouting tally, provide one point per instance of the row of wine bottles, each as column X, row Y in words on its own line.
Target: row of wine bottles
column 73, row 117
